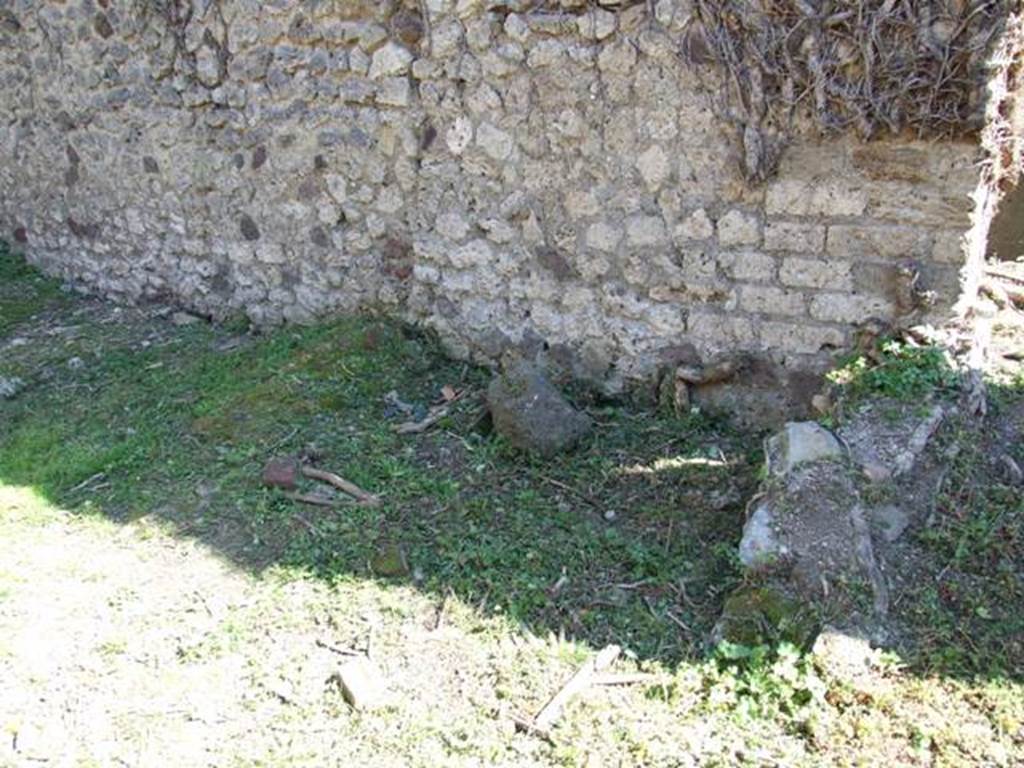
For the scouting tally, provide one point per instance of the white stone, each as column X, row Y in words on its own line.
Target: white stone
column 603, row 237
column 495, row 142
column 10, row 387
column 738, row 228
column 464, row 9
column 395, row 92
column 799, row 442
column 516, row 28
column 389, row 60
column 696, row 226
column 459, row 135
column 760, row 545
column 452, row 226
column 362, row 684
column 617, row 58
column 645, row 230
column 596, row 24
column 654, row 166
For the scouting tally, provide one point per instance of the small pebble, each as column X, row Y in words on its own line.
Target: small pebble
column 610, row 514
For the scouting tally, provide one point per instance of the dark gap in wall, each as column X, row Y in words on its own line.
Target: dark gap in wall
column 1006, row 235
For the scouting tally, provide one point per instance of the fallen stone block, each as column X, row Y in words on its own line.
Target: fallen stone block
column 886, row 438
column 532, row 414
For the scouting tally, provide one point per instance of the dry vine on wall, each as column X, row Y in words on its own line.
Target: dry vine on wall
column 872, row 66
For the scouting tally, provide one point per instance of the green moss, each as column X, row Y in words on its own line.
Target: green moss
column 763, row 614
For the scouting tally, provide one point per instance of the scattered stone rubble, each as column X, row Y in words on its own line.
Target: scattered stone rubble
column 817, row 534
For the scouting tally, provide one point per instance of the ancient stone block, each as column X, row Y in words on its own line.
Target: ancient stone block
column 645, row 231
column 748, row 266
column 390, row 60
column 801, row 338
column 727, row 330
column 857, row 241
column 771, row 301
column 603, row 236
column 797, row 237
column 739, row 228
column 816, row 273
column 696, row 226
column 796, row 197
column 849, row 308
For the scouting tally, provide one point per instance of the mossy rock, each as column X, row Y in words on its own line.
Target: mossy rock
column 765, row 614
column 390, row 561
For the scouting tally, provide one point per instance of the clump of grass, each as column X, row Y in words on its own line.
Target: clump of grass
column 23, row 290
column 898, row 370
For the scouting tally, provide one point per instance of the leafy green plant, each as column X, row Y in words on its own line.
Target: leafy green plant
column 765, row 681
column 898, row 370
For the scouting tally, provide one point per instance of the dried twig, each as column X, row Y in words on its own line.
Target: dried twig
column 582, row 679
column 314, row 499
column 414, row 427
column 353, row 490
column 336, row 649
column 634, row 679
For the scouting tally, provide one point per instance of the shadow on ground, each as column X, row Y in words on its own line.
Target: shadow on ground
column 122, row 413
column 631, row 539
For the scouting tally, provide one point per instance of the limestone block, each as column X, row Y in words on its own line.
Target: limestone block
column 771, row 301
column 857, row 241
column 797, row 197
column 797, row 237
column 801, row 338
column 645, row 231
column 748, row 265
column 816, row 273
column 696, row 226
column 603, row 236
column 849, row 308
column 654, row 166
column 739, row 228
column 495, row 142
column 390, row 60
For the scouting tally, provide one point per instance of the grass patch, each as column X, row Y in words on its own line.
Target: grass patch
column 895, row 369
column 178, row 422
column 23, row 290
column 517, row 568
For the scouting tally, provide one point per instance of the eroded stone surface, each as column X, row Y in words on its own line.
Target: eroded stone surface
column 885, row 437
column 800, row 442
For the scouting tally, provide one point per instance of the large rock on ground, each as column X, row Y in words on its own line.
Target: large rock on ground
column 812, row 526
column 800, row 442
column 886, row 437
column 532, row 414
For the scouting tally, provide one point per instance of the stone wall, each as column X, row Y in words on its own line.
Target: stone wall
column 499, row 176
